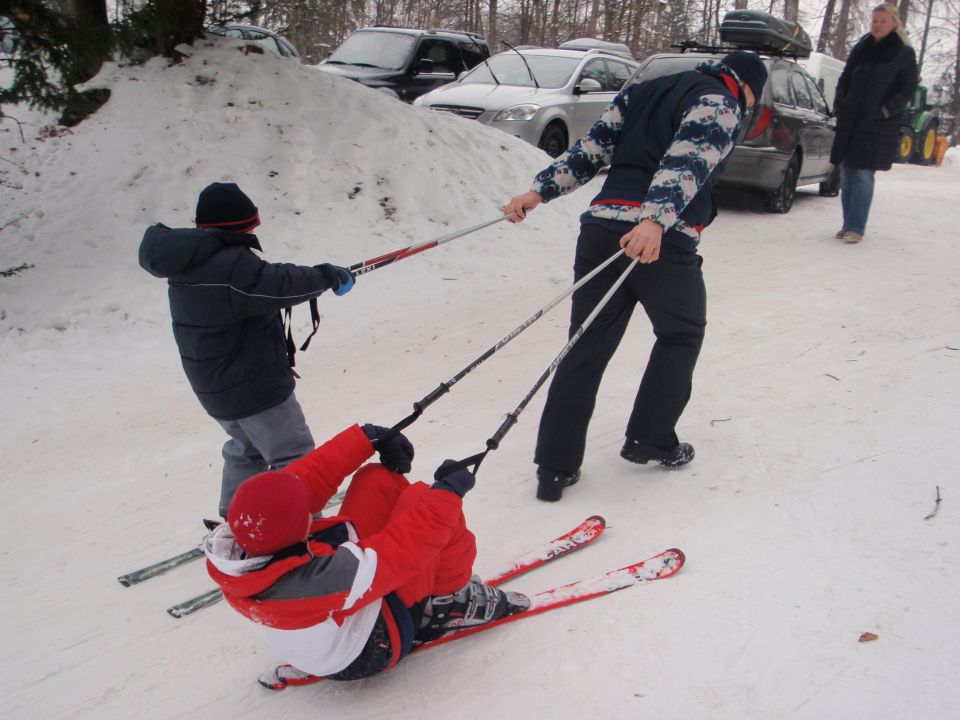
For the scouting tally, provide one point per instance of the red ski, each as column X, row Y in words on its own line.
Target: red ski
column 657, row 567
column 581, row 536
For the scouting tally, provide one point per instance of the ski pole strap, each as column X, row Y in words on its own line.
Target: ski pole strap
column 474, row 460
column 315, row 319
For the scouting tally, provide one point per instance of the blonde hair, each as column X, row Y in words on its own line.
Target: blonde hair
column 894, row 14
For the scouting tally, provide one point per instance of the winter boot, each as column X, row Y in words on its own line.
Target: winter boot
column 475, row 604
column 680, row 454
column 550, row 483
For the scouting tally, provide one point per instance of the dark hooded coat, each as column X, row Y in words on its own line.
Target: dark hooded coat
column 873, row 92
column 225, row 303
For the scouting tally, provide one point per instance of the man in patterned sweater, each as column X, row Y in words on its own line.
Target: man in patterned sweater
column 666, row 141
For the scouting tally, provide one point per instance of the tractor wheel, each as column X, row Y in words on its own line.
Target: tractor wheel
column 905, row 149
column 926, row 143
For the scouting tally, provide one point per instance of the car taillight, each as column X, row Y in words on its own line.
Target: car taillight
column 763, row 114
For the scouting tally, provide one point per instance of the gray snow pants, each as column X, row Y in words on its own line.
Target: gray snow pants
column 268, row 440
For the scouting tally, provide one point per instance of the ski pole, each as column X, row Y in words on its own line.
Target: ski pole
column 444, row 387
column 494, row 441
column 372, row 264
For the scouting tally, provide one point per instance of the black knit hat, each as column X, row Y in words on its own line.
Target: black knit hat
column 749, row 68
column 223, row 205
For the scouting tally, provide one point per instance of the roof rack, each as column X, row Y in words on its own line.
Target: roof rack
column 696, row 46
column 458, row 32
column 431, row 31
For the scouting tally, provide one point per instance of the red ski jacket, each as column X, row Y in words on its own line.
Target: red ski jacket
column 335, row 574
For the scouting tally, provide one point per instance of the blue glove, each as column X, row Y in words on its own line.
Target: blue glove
column 459, row 482
column 339, row 279
column 396, row 454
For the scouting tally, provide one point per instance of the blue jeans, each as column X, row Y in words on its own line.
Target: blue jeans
column 856, row 192
column 269, row 440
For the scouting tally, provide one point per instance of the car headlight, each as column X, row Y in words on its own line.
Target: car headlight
column 517, row 112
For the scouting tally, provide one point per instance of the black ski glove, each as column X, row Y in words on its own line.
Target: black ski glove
column 459, row 482
column 339, row 279
column 396, row 453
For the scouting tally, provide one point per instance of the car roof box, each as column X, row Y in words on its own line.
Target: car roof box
column 755, row 30
column 594, row 44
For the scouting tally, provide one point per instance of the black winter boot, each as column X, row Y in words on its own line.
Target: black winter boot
column 680, row 454
column 550, row 483
column 475, row 604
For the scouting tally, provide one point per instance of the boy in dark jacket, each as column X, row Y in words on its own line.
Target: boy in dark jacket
column 346, row 597
column 226, row 304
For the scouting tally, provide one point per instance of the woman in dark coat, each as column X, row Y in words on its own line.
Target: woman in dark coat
column 873, row 92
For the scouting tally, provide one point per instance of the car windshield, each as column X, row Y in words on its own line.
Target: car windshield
column 509, row 69
column 385, row 50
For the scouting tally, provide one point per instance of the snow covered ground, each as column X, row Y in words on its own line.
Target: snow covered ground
column 824, row 415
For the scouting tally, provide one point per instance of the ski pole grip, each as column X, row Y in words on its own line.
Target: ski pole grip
column 441, row 390
column 494, row 442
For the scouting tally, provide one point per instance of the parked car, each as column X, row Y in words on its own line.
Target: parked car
column 787, row 136
column 405, row 62
column 268, row 40
column 547, row 96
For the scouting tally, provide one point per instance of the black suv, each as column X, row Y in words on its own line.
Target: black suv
column 405, row 62
column 788, row 134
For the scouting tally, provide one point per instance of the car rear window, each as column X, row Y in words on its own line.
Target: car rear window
column 780, row 87
column 509, row 69
column 658, row 67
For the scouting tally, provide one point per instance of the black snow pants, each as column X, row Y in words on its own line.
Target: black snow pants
column 672, row 293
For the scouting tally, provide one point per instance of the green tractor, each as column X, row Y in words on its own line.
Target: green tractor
column 918, row 139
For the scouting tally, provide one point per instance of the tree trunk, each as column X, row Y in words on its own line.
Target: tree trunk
column 926, row 33
column 592, row 23
column 178, row 21
column 823, row 42
column 791, row 10
column 93, row 38
column 904, row 8
column 740, row 5
column 956, row 94
column 838, row 46
column 492, row 27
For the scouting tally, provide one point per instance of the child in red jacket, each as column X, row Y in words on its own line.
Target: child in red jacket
column 345, row 597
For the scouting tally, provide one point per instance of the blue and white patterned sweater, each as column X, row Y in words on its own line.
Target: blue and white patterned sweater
column 707, row 134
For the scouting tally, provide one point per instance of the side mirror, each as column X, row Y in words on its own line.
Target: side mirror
column 424, row 66
column 587, row 85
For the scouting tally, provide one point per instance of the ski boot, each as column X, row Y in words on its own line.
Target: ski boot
column 475, row 604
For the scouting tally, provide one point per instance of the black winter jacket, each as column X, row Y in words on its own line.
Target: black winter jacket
column 225, row 304
column 873, row 91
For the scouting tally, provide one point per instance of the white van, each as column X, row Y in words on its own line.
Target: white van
column 826, row 71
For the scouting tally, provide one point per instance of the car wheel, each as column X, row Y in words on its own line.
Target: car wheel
column 781, row 199
column 554, row 140
column 831, row 186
